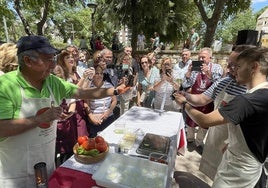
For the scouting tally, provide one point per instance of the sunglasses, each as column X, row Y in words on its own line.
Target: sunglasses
column 144, row 62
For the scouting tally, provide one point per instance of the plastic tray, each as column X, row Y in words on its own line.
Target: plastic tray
column 154, row 143
column 121, row 171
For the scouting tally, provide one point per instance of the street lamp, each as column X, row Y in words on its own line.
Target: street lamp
column 93, row 5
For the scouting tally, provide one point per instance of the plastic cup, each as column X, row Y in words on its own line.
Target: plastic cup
column 119, row 127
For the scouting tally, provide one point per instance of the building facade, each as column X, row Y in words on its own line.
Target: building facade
column 262, row 28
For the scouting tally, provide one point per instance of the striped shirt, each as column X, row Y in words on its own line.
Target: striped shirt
column 99, row 106
column 216, row 71
column 228, row 84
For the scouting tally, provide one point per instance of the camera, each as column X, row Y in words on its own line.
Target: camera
column 125, row 72
column 196, row 65
column 171, row 96
column 110, row 66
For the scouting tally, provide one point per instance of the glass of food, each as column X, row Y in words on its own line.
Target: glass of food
column 119, row 127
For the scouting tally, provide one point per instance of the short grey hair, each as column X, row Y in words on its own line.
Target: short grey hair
column 29, row 53
column 104, row 51
column 208, row 50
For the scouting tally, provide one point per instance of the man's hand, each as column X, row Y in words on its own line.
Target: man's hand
column 45, row 115
column 122, row 89
column 179, row 98
column 89, row 73
column 206, row 71
column 189, row 72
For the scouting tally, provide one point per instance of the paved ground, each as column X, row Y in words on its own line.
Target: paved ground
column 190, row 163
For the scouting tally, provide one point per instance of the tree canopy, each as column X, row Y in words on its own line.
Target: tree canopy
column 173, row 19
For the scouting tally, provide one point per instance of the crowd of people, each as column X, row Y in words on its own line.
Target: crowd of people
column 83, row 95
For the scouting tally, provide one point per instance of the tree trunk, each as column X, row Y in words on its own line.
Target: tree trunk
column 210, row 32
column 24, row 21
column 134, row 25
column 211, row 22
column 44, row 13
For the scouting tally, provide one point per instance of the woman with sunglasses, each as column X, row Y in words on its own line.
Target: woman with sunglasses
column 146, row 79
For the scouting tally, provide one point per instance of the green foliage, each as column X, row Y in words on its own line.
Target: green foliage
column 215, row 11
column 243, row 20
column 172, row 19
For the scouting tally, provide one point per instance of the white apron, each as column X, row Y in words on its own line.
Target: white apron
column 217, row 135
column 19, row 154
column 238, row 168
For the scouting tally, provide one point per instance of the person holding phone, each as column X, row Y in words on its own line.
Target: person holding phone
column 23, row 92
column 246, row 116
column 165, row 86
column 147, row 77
column 196, row 82
column 220, row 92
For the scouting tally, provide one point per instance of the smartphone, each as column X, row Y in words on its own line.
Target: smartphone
column 168, row 72
column 196, row 65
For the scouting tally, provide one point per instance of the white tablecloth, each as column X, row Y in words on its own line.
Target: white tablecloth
column 149, row 121
column 144, row 120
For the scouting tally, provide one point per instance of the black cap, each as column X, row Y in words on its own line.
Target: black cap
column 35, row 42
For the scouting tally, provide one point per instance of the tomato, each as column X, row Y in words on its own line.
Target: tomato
column 89, row 144
column 43, row 125
column 99, row 139
column 85, row 145
column 82, row 139
column 102, row 147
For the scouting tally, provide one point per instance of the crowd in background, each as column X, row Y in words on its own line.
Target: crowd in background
column 150, row 82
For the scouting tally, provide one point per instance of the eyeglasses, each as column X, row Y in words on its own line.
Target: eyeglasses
column 144, row 62
column 98, row 73
column 43, row 59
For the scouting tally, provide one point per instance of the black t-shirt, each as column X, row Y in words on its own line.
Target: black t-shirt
column 251, row 112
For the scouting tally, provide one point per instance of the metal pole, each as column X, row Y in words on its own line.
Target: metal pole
column 93, row 21
column 5, row 26
column 73, row 30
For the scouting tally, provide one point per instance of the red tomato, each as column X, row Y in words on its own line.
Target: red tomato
column 43, row 125
column 89, row 144
column 102, row 147
column 82, row 139
column 99, row 139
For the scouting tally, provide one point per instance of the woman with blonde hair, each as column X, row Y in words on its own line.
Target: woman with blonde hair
column 70, row 129
column 165, row 87
column 8, row 57
column 127, row 76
